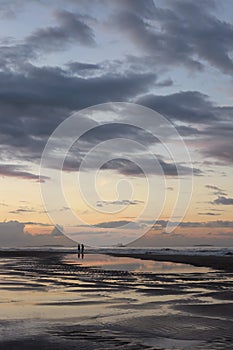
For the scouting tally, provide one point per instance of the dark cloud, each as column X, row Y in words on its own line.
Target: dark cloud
column 34, row 100
column 110, row 132
column 212, row 187
column 14, row 55
column 212, row 125
column 71, row 29
column 209, row 214
column 48, row 87
column 185, row 33
column 33, row 103
column 13, row 234
column 11, row 170
column 164, row 46
column 145, row 8
column 118, row 130
column 178, row 33
column 222, row 200
column 130, row 168
column 165, row 83
column 76, row 67
column 188, row 106
column 123, row 202
column 194, row 224
column 216, row 190
column 118, row 224
column 218, row 136
column 22, row 211
column 140, row 7
column 220, row 149
column 124, row 159
column 187, row 131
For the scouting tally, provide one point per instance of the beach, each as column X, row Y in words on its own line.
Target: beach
column 217, row 262
column 55, row 300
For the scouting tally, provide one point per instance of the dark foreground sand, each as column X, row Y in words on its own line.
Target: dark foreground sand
column 50, row 301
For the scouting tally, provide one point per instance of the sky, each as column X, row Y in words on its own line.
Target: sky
column 173, row 57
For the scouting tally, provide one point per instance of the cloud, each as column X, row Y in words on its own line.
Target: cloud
column 33, row 223
column 77, row 67
column 188, row 106
column 213, row 224
column 142, row 162
column 34, row 103
column 217, row 190
column 212, row 187
column 12, row 234
column 35, row 99
column 118, row 130
column 177, row 33
column 10, row 9
column 209, row 214
column 160, row 224
column 184, row 33
column 22, row 210
column 53, row 87
column 222, row 200
column 57, row 231
column 212, row 126
column 165, row 83
column 118, row 224
column 161, row 45
column 220, row 149
column 12, row 170
column 71, row 29
column 130, row 168
column 140, row 7
column 123, row 202
column 26, row 100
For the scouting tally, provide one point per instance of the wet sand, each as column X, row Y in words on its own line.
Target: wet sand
column 216, row 262
column 57, row 301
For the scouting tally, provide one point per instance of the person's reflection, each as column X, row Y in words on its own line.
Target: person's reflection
column 80, row 251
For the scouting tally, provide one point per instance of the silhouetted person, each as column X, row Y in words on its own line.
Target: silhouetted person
column 82, row 250
column 79, row 249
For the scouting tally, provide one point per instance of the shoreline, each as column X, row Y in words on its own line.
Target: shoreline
column 216, row 262
column 211, row 261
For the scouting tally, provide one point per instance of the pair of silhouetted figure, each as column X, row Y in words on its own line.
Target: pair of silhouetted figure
column 81, row 250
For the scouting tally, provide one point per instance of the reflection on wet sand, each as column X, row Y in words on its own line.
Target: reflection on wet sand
column 107, row 262
column 57, row 301
column 80, row 256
